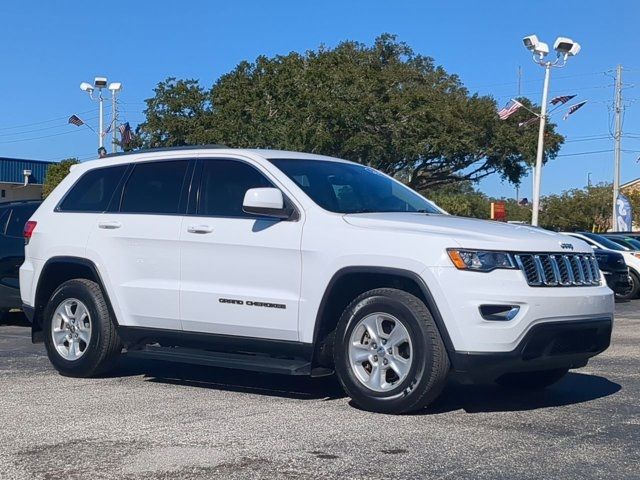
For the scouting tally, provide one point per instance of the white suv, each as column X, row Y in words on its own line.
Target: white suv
column 302, row 264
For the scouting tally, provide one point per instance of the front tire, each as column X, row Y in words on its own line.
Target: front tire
column 634, row 288
column 389, row 355
column 79, row 334
column 532, row 380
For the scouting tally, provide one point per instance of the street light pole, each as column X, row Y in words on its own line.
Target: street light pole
column 565, row 48
column 101, row 124
column 537, row 174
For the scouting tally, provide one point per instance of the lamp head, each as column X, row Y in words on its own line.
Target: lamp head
column 100, row 82
column 530, row 42
column 86, row 87
column 115, row 86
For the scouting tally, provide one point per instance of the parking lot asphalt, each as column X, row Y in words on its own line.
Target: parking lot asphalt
column 158, row 420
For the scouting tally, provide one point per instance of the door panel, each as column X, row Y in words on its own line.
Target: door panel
column 141, row 258
column 240, row 274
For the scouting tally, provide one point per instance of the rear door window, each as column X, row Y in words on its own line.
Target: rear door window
column 17, row 219
column 155, row 187
column 93, row 192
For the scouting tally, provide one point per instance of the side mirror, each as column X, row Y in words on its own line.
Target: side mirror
column 267, row 202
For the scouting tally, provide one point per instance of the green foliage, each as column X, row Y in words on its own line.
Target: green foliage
column 578, row 209
column 55, row 174
column 380, row 105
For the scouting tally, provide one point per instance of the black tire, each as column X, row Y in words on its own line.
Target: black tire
column 634, row 287
column 428, row 369
column 104, row 345
column 532, row 380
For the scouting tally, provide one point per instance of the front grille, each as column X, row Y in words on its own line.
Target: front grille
column 559, row 270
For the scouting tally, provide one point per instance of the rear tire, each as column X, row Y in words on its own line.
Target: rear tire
column 389, row 355
column 634, row 288
column 79, row 334
column 532, row 380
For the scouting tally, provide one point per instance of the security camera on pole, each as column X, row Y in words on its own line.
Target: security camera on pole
column 565, row 48
column 99, row 83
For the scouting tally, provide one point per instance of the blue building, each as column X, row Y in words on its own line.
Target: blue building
column 21, row 179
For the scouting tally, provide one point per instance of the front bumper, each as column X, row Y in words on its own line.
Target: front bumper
column 459, row 296
column 617, row 281
column 545, row 346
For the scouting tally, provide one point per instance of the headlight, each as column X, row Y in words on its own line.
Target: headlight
column 480, row 260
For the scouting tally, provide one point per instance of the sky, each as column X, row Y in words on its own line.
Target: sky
column 48, row 48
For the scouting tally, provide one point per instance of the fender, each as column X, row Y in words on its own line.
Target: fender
column 64, row 260
column 396, row 272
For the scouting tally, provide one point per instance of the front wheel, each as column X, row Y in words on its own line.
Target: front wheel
column 79, row 335
column 389, row 355
column 633, row 289
column 532, row 380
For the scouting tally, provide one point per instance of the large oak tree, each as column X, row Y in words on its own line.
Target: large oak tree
column 381, row 105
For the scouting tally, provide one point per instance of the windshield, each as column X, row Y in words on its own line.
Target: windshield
column 352, row 188
column 605, row 242
column 626, row 242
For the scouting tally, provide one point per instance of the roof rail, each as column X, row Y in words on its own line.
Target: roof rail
column 166, row 149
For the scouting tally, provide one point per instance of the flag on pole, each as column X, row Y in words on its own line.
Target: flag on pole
column 561, row 99
column 75, row 120
column 526, row 123
column 509, row 109
column 127, row 135
column 573, row 108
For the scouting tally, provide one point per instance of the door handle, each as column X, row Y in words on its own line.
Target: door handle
column 109, row 225
column 199, row 229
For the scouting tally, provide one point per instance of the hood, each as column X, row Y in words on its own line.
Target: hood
column 471, row 232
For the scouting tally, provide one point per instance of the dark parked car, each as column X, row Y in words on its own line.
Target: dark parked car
column 631, row 243
column 13, row 216
column 615, row 270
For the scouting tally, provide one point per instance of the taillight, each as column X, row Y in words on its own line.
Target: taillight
column 29, row 227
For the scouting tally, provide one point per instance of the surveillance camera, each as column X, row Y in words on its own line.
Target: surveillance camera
column 563, row 45
column 541, row 49
column 86, row 87
column 100, row 82
column 530, row 42
column 115, row 86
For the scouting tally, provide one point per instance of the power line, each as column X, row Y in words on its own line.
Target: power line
column 41, row 137
column 43, row 121
column 592, row 152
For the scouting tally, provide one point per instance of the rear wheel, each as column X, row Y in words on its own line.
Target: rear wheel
column 79, row 335
column 389, row 355
column 532, row 380
column 634, row 287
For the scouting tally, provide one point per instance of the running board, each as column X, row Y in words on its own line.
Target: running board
column 239, row 361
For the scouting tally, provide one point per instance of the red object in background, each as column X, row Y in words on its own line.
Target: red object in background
column 498, row 211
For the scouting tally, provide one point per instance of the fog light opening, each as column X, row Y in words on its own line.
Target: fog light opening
column 499, row 313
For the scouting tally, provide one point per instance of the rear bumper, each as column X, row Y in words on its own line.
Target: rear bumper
column 545, row 346
column 9, row 297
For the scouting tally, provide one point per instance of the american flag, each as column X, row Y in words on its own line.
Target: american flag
column 573, row 108
column 125, row 131
column 561, row 99
column 76, row 120
column 509, row 109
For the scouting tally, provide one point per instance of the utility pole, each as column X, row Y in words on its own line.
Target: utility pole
column 617, row 138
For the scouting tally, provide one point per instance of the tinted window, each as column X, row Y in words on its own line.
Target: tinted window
column 93, row 192
column 154, row 187
column 352, row 188
column 224, row 183
column 605, row 242
column 4, row 216
column 17, row 219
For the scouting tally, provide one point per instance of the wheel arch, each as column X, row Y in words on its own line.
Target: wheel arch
column 349, row 282
column 56, row 271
